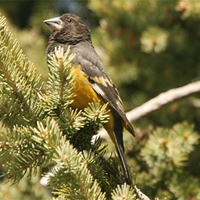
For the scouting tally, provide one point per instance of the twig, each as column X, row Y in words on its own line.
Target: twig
column 162, row 100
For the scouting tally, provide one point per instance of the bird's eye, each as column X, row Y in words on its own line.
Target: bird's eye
column 69, row 20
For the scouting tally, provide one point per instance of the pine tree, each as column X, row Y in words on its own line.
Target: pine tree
column 41, row 132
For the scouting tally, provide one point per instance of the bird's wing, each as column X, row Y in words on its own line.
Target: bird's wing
column 102, row 84
column 104, row 87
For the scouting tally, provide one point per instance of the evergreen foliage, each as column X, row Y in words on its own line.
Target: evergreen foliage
column 166, row 155
column 40, row 129
column 149, row 47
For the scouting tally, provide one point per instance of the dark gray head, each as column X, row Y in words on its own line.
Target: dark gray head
column 68, row 29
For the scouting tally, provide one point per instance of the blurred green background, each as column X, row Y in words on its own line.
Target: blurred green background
column 147, row 47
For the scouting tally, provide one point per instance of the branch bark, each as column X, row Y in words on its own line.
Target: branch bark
column 163, row 99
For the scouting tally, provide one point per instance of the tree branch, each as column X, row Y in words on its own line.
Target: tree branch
column 162, row 100
column 157, row 102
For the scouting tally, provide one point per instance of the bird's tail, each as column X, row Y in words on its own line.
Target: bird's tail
column 118, row 136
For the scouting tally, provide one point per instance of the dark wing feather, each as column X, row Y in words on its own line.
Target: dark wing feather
column 99, row 79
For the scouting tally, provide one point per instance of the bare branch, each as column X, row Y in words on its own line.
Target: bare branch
column 162, row 100
column 158, row 102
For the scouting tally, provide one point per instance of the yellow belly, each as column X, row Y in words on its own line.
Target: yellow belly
column 82, row 89
column 85, row 94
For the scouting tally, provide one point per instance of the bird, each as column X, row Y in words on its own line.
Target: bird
column 92, row 82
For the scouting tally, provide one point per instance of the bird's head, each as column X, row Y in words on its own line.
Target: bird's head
column 68, row 29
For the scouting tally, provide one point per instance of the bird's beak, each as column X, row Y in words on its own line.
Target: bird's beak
column 55, row 24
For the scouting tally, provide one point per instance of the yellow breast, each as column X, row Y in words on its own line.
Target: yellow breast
column 82, row 89
column 85, row 94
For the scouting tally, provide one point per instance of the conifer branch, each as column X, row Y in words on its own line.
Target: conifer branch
column 71, row 178
column 60, row 81
column 18, row 78
column 25, row 154
column 123, row 192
